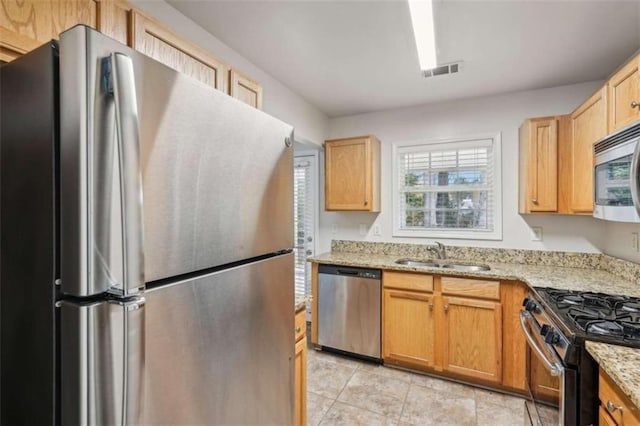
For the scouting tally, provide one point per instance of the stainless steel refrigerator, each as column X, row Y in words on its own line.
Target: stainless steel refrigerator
column 146, row 261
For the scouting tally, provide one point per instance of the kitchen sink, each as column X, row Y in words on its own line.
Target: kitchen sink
column 457, row 266
column 411, row 262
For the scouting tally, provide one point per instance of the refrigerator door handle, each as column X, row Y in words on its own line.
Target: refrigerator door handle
column 122, row 86
column 133, row 360
column 102, row 365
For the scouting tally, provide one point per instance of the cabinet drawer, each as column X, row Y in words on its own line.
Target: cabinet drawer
column 300, row 324
column 407, row 281
column 471, row 287
column 622, row 410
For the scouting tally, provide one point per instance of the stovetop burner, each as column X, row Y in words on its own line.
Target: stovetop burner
column 596, row 316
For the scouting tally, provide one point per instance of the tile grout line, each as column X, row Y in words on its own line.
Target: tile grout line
column 404, row 402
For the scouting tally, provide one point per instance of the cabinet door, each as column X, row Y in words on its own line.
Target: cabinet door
column 115, row 19
column 588, row 125
column 243, row 88
column 158, row 42
column 300, row 374
column 543, row 166
column 27, row 24
column 351, row 165
column 624, row 90
column 543, row 385
column 604, row 419
column 473, row 338
column 407, row 328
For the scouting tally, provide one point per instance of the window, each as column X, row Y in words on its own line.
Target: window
column 448, row 189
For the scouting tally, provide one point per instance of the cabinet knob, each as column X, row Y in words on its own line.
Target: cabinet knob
column 366, row 203
column 446, row 308
column 611, row 407
column 298, row 329
column 431, row 306
column 634, row 104
column 534, row 200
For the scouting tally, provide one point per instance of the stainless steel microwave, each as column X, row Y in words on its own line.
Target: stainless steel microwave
column 617, row 176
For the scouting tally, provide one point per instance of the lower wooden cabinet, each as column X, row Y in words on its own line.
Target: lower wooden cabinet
column 408, row 328
column 444, row 324
column 472, row 338
column 300, row 369
column 615, row 407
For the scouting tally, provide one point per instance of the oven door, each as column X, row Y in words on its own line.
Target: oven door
column 617, row 181
column 545, row 377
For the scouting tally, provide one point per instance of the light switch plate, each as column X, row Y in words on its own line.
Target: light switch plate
column 363, row 229
column 376, row 230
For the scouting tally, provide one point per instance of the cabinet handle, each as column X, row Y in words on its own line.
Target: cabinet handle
column 534, row 200
column 611, row 407
column 446, row 308
column 298, row 329
column 634, row 104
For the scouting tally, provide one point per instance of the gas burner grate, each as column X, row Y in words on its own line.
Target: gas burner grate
column 614, row 318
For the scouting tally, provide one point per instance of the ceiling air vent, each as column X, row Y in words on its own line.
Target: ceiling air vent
column 446, row 69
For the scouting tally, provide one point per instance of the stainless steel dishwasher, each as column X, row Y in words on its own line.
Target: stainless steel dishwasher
column 349, row 310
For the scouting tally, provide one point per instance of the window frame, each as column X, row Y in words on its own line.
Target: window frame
column 455, row 233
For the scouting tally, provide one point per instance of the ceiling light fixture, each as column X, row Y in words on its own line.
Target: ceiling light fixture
column 424, row 32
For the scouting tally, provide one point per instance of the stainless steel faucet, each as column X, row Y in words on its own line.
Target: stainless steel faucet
column 439, row 250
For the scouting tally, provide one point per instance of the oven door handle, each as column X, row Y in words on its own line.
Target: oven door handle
column 555, row 369
column 635, row 177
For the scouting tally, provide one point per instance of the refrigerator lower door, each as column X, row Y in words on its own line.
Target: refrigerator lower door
column 220, row 347
column 102, row 362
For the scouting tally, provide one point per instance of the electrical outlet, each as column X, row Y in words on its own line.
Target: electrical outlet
column 635, row 244
column 536, row 233
column 334, row 229
column 363, row 229
column 376, row 230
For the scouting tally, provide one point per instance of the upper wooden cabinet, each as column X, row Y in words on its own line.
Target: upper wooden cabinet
column 158, row 42
column 538, row 180
column 545, row 181
column 115, row 20
column 27, row 24
column 352, row 174
column 624, row 95
column 588, row 125
column 243, row 88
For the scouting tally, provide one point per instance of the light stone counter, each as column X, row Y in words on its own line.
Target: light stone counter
column 560, row 277
column 622, row 364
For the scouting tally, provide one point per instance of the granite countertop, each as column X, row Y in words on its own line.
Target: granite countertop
column 622, row 364
column 301, row 302
column 561, row 277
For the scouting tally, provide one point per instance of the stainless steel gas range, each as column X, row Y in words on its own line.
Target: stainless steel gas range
column 556, row 324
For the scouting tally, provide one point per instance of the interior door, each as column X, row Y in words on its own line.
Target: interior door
column 305, row 208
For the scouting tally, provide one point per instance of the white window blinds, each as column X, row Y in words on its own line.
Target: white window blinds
column 303, row 223
column 450, row 186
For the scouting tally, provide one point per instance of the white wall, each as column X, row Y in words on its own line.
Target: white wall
column 618, row 241
column 503, row 113
column 278, row 100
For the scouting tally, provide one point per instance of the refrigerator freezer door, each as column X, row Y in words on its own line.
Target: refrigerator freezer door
column 216, row 173
column 220, row 347
column 102, row 348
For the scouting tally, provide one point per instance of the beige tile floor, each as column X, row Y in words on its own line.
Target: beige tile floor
column 344, row 391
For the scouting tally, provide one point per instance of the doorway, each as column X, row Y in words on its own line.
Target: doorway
column 305, row 205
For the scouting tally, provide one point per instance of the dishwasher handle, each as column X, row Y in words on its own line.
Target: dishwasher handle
column 347, row 272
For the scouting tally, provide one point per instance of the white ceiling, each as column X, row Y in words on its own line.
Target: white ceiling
column 348, row 57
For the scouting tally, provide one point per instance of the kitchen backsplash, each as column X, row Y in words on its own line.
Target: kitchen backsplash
column 619, row 267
